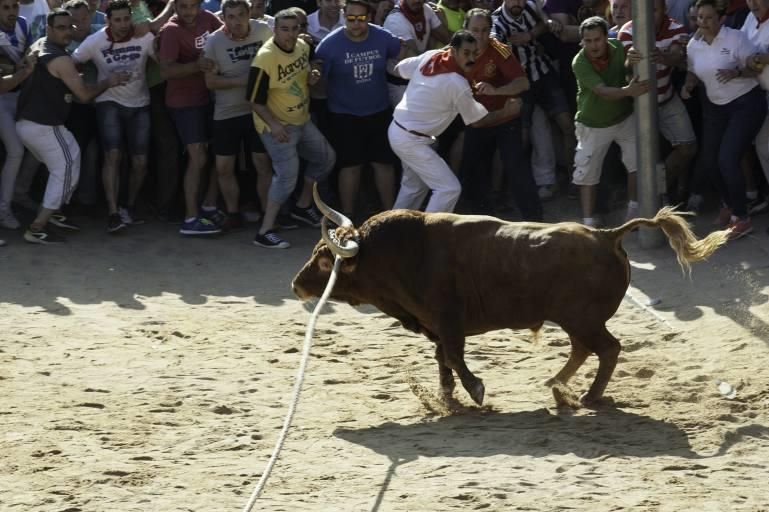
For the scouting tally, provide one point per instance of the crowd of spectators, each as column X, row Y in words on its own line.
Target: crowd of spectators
column 213, row 115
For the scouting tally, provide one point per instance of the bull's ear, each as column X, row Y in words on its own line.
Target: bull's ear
column 325, row 263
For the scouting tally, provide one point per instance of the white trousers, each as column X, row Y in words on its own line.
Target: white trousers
column 56, row 147
column 423, row 170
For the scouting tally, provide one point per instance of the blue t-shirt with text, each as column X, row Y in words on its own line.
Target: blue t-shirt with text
column 356, row 71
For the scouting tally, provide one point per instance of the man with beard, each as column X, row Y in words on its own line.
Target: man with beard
column 438, row 91
column 188, row 100
column 519, row 23
column 496, row 76
column 355, row 65
column 232, row 48
column 278, row 89
column 604, row 112
column 44, row 105
column 122, row 113
column 415, row 22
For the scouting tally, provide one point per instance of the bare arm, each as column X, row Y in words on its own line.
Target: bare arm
column 568, row 33
column 162, row 18
column 689, row 84
column 440, row 34
column 64, row 69
column 216, row 81
column 171, row 70
column 631, row 90
column 514, row 88
column 511, row 108
column 10, row 82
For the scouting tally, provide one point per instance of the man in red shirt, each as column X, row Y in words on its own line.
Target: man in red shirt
column 496, row 76
column 188, row 101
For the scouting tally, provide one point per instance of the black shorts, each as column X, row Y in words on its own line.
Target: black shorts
column 359, row 140
column 229, row 133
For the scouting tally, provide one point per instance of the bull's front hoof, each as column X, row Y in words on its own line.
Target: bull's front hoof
column 591, row 402
column 477, row 393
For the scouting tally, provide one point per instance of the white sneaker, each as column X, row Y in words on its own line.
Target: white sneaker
column 7, row 220
column 127, row 218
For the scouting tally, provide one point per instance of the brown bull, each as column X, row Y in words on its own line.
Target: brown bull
column 450, row 276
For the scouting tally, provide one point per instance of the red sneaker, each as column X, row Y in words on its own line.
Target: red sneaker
column 740, row 228
column 724, row 217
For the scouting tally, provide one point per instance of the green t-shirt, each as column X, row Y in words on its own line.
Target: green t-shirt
column 455, row 18
column 593, row 110
column 140, row 13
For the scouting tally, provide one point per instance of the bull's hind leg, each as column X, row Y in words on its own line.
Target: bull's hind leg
column 446, row 377
column 607, row 348
column 577, row 357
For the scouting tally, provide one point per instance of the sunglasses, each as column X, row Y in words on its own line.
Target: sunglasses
column 362, row 18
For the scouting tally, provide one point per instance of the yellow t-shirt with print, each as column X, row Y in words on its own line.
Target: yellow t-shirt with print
column 288, row 96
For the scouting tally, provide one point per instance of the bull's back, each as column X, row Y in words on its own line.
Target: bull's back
column 517, row 275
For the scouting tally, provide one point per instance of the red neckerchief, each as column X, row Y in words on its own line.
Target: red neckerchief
column 763, row 18
column 112, row 40
column 599, row 64
column 440, row 63
column 417, row 20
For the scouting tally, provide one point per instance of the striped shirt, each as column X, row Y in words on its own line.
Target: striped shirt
column 536, row 63
column 669, row 34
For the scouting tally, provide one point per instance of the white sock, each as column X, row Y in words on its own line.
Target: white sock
column 752, row 194
column 190, row 219
column 633, row 205
column 588, row 221
column 208, row 208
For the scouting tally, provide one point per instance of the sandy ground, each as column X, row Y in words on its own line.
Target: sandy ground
column 151, row 373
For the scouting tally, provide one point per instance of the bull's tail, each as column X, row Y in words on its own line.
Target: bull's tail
column 687, row 247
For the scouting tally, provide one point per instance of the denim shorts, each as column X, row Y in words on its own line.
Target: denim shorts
column 118, row 123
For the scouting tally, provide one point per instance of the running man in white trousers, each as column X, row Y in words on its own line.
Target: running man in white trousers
column 437, row 92
column 44, row 104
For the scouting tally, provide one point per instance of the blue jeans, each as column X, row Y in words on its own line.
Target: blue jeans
column 728, row 132
column 305, row 141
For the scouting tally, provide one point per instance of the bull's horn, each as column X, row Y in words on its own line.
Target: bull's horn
column 348, row 250
column 333, row 215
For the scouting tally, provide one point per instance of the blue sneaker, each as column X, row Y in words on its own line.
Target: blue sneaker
column 199, row 226
column 216, row 216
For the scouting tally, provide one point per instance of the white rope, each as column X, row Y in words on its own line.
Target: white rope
column 653, row 313
column 297, row 386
